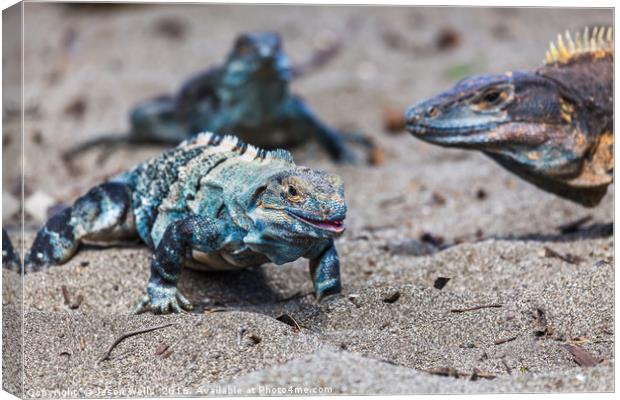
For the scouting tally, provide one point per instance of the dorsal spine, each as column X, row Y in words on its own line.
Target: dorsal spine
column 601, row 39
column 233, row 143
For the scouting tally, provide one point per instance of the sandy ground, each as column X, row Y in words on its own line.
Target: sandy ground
column 393, row 330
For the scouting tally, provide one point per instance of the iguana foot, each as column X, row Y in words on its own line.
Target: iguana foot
column 163, row 299
column 327, row 289
column 360, row 139
column 347, row 156
column 325, row 273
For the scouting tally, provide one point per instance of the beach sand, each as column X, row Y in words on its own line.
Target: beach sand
column 518, row 294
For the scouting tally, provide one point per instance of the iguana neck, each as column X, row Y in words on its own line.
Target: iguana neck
column 255, row 99
column 587, row 79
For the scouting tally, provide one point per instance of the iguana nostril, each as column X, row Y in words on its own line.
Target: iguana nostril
column 432, row 112
column 412, row 117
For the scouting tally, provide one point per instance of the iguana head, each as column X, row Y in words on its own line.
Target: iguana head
column 257, row 56
column 300, row 203
column 538, row 124
column 522, row 116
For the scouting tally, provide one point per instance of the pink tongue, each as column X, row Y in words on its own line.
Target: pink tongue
column 332, row 225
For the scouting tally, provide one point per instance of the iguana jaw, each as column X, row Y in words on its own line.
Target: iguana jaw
column 334, row 224
column 460, row 127
column 454, row 136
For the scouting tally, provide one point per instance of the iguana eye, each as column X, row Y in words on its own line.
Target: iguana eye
column 244, row 48
column 492, row 97
column 292, row 193
column 433, row 112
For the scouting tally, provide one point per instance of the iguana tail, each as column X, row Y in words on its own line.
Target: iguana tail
column 109, row 141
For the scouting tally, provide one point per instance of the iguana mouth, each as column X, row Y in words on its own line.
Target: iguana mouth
column 423, row 130
column 336, row 225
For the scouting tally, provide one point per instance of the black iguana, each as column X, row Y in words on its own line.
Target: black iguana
column 552, row 126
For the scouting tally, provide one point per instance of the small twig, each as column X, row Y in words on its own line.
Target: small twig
column 477, row 374
column 446, row 371
column 575, row 225
column 569, row 258
column 217, row 310
column 124, row 336
column 502, row 341
column 462, row 310
column 67, row 298
column 581, row 357
column 78, row 302
column 289, row 320
column 65, row 294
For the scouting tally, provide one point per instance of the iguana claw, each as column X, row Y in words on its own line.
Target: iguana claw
column 162, row 299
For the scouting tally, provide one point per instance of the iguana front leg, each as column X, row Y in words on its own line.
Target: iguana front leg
column 296, row 116
column 325, row 273
column 180, row 238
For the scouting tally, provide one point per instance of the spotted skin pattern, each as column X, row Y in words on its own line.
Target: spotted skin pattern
column 212, row 203
column 552, row 126
column 248, row 95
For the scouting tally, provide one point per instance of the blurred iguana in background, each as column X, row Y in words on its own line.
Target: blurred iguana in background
column 552, row 126
column 248, row 95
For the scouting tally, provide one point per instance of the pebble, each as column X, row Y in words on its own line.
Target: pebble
column 391, row 296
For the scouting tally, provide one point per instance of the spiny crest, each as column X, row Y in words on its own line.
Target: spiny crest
column 233, row 143
column 601, row 39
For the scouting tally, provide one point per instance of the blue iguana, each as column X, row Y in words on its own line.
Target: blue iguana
column 248, row 95
column 212, row 203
